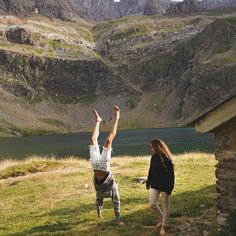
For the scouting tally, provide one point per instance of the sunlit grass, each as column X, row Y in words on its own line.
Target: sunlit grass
column 60, row 200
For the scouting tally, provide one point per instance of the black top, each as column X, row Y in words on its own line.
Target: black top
column 161, row 174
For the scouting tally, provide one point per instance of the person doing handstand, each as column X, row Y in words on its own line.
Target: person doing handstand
column 103, row 180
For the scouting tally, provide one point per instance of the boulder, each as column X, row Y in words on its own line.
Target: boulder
column 23, row 36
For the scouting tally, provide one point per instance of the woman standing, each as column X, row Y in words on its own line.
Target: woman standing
column 160, row 180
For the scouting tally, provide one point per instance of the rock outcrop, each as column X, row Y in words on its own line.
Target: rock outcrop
column 185, row 7
column 68, row 79
column 64, row 10
column 153, row 7
column 19, row 7
column 23, row 36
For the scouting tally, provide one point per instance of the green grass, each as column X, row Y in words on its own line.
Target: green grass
column 56, row 123
column 36, row 131
column 86, row 34
column 130, row 124
column 55, row 49
column 56, row 202
column 131, row 31
column 31, row 166
column 85, row 101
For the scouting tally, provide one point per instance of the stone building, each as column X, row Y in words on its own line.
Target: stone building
column 221, row 120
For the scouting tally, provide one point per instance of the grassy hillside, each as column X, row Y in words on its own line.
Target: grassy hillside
column 60, row 200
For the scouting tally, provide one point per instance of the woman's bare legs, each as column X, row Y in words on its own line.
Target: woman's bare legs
column 112, row 134
column 166, row 211
column 153, row 198
column 94, row 138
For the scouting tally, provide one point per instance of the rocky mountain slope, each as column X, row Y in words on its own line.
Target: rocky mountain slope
column 60, row 9
column 213, row 4
column 103, row 10
column 185, row 7
column 99, row 10
column 162, row 71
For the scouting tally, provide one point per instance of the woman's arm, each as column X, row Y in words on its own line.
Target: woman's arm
column 171, row 177
column 148, row 182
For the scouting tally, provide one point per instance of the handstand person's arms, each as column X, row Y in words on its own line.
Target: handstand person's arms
column 94, row 138
column 116, row 205
column 112, row 134
column 99, row 203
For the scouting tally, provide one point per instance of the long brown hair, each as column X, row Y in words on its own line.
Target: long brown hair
column 161, row 147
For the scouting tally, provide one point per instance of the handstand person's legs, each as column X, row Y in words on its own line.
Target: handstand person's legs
column 94, row 138
column 112, row 134
column 94, row 148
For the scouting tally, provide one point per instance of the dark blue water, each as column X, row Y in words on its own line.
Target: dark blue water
column 131, row 142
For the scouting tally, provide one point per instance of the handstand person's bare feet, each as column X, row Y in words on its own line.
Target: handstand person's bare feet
column 117, row 112
column 98, row 118
column 158, row 225
column 163, row 231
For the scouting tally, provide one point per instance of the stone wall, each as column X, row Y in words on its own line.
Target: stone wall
column 226, row 169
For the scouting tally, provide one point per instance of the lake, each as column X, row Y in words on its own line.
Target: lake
column 130, row 142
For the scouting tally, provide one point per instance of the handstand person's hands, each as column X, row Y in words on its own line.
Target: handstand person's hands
column 117, row 112
column 98, row 118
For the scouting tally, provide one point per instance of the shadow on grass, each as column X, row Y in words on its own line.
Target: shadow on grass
column 47, row 229
column 140, row 222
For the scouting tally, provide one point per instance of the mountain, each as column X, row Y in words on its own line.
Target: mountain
column 185, row 7
column 161, row 70
column 213, row 4
column 104, row 10
column 60, row 9
column 99, row 10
